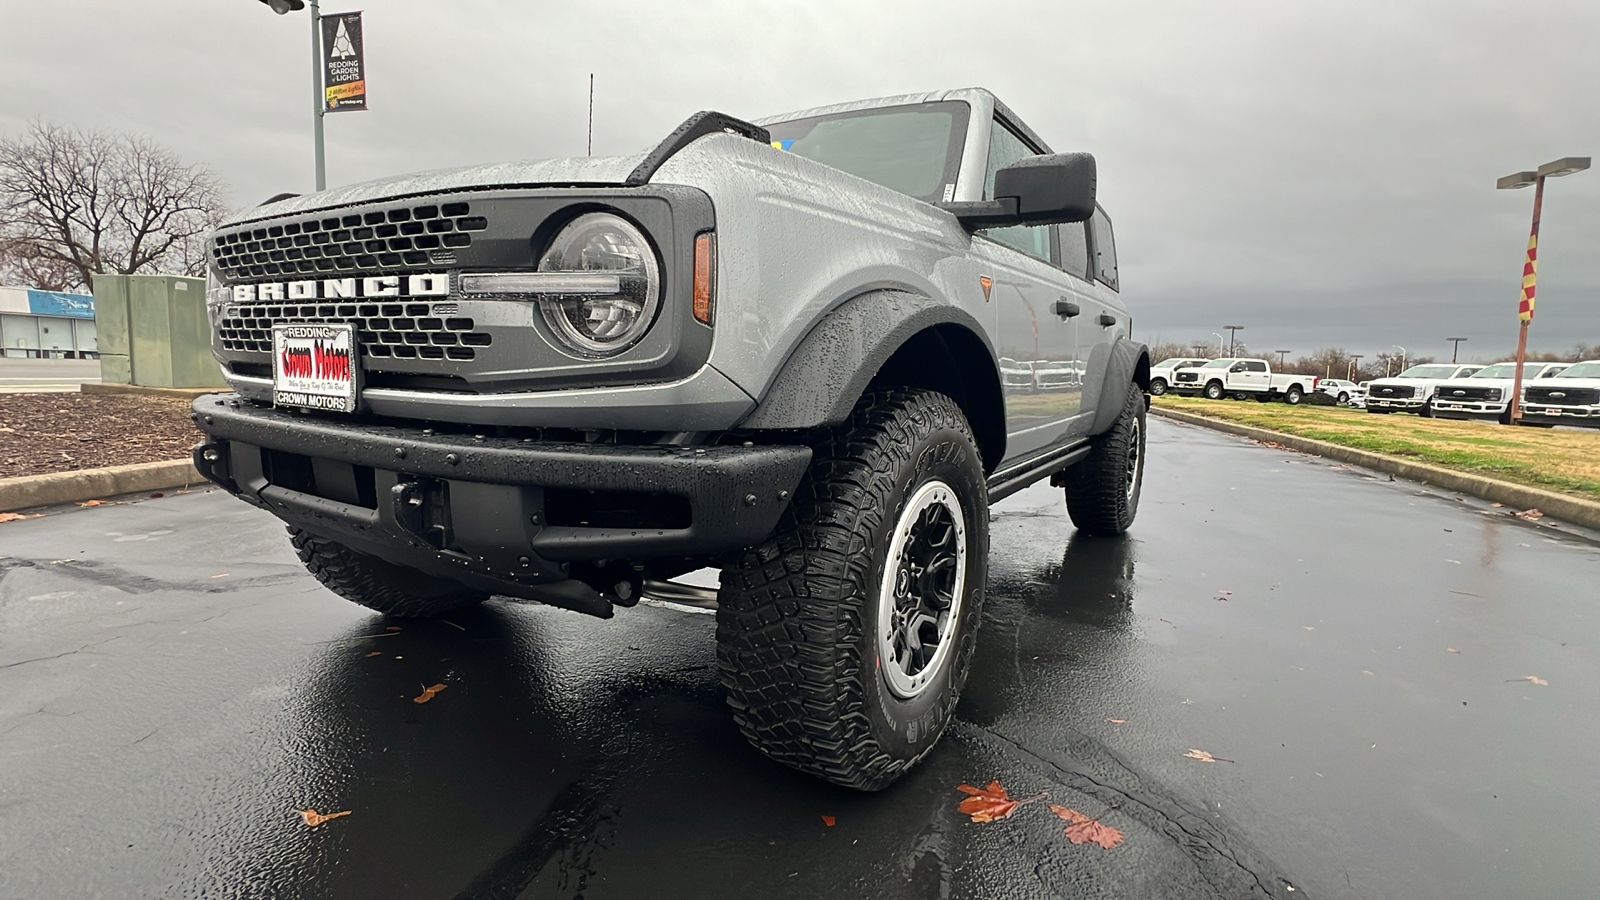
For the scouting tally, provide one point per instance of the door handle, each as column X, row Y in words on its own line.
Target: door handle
column 1107, row 319
column 1066, row 309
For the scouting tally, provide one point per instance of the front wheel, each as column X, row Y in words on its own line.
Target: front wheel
column 844, row 640
column 376, row 584
column 1214, row 390
column 1158, row 386
column 1103, row 489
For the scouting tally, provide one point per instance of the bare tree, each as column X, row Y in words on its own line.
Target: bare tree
column 74, row 203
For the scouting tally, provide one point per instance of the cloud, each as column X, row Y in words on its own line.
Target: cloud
column 1320, row 173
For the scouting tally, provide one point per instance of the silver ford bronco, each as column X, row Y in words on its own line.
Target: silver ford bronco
column 810, row 351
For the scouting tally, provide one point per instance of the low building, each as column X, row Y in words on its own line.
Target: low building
column 48, row 324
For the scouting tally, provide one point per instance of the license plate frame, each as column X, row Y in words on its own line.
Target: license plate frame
column 316, row 367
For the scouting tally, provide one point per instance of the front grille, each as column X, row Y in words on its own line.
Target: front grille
column 1392, row 392
column 404, row 330
column 380, row 240
column 1188, row 376
column 1569, row 396
column 1468, row 394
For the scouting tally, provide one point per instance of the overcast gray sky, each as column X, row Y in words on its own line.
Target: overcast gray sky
column 1321, row 173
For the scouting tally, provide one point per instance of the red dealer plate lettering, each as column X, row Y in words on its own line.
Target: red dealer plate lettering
column 315, row 367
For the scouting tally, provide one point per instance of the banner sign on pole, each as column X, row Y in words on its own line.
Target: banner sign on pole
column 344, row 75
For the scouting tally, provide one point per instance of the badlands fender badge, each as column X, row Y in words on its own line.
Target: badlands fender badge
column 987, row 284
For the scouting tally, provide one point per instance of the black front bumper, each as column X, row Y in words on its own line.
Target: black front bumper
column 507, row 515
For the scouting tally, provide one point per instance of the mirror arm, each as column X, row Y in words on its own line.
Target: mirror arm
column 977, row 214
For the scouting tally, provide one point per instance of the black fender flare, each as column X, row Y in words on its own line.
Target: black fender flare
column 833, row 364
column 1128, row 363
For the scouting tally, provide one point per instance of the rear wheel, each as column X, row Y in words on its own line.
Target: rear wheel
column 1103, row 490
column 1293, row 395
column 844, row 640
column 378, row 585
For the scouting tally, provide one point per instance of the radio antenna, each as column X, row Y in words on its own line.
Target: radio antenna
column 591, row 113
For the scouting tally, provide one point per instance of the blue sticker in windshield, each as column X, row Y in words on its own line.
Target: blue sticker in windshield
column 783, row 145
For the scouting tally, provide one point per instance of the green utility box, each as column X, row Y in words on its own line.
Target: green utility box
column 162, row 333
column 111, row 325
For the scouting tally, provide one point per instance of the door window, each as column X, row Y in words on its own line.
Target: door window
column 1255, row 367
column 1075, row 248
column 1005, row 148
column 1105, row 249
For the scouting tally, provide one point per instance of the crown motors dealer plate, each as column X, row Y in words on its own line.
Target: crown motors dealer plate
column 315, row 367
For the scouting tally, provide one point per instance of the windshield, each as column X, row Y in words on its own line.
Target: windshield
column 1217, row 364
column 914, row 149
column 1590, row 369
column 1498, row 370
column 1428, row 372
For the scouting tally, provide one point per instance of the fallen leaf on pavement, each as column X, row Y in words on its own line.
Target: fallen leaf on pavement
column 11, row 517
column 828, row 821
column 428, row 692
column 157, row 495
column 1116, row 721
column 1221, row 591
column 314, row 818
column 989, row 803
column 92, row 503
column 1203, row 756
column 1529, row 514
column 1451, row 650
column 374, row 653
column 1085, row 830
column 1533, row 678
column 1497, row 505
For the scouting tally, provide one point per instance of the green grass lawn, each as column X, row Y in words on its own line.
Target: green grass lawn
column 1565, row 461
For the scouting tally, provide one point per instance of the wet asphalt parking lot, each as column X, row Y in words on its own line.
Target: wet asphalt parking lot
column 174, row 688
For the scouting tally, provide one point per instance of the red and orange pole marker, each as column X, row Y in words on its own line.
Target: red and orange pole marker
column 1530, row 277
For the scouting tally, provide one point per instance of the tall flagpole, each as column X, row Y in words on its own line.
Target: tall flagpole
column 1530, row 276
column 317, row 98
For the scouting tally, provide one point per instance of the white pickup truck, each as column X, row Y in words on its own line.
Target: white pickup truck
column 1244, row 377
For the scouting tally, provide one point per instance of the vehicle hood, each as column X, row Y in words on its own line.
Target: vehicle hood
column 1402, row 382
column 1558, row 381
column 574, row 172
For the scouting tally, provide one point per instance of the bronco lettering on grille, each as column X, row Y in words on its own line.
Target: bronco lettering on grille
column 433, row 284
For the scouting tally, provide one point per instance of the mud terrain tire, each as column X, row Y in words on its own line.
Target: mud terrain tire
column 378, row 585
column 1103, row 490
column 814, row 642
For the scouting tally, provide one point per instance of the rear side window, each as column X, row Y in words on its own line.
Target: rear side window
column 1075, row 248
column 1105, row 249
column 1005, row 148
column 1255, row 367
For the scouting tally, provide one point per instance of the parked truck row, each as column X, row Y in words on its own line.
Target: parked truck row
column 1230, row 377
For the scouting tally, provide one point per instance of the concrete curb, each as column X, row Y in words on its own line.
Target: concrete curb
column 91, row 484
column 105, row 387
column 1561, row 506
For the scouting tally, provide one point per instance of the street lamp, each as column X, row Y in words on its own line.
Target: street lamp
column 1454, row 346
column 1233, row 331
column 1530, row 265
column 284, row 7
column 1350, row 375
column 1219, row 342
column 1282, row 354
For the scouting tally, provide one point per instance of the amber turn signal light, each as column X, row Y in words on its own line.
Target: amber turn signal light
column 705, row 268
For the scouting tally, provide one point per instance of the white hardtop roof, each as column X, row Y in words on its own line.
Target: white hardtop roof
column 982, row 100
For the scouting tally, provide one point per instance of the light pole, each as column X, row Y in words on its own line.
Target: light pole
column 1219, row 342
column 1530, row 263
column 1402, row 356
column 284, row 7
column 1455, row 344
column 1282, row 355
column 1350, row 374
column 1233, row 331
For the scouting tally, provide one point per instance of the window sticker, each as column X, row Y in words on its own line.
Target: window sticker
column 949, row 192
column 784, row 144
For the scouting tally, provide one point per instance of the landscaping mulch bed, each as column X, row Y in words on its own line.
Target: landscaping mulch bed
column 60, row 432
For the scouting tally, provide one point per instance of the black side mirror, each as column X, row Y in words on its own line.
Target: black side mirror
column 1037, row 190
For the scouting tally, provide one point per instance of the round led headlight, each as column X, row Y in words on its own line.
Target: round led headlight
column 612, row 298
